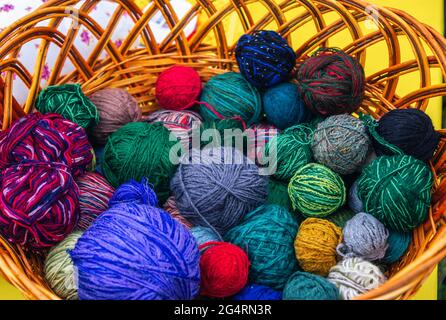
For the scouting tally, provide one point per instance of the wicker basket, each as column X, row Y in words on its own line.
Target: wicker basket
column 209, row 51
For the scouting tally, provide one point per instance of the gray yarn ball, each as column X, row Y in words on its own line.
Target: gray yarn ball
column 216, row 187
column 364, row 237
column 204, row 234
column 341, row 143
column 354, row 202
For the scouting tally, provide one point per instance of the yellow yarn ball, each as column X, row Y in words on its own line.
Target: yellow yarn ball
column 315, row 245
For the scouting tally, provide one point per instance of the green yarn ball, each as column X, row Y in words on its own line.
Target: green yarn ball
column 307, row 286
column 267, row 235
column 138, row 150
column 212, row 133
column 278, row 194
column 229, row 95
column 341, row 216
column 316, row 191
column 70, row 102
column 397, row 191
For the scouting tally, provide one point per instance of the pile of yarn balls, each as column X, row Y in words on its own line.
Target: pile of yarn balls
column 89, row 183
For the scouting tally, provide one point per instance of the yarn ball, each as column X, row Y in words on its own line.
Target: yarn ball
column 307, row 286
column 170, row 206
column 203, row 235
column 229, row 95
column 99, row 156
column 398, row 243
column 224, row 132
column 217, row 188
column 290, row 151
column 59, row 269
column 258, row 292
column 341, row 216
column 69, row 101
column 341, row 143
column 178, row 88
column 258, row 136
column 267, row 235
column 224, row 269
column 331, row 82
column 94, row 194
column 39, row 203
column 284, row 107
column 116, row 108
column 264, row 58
column 138, row 150
column 316, row 191
column 278, row 193
column 411, row 130
column 365, row 237
column 134, row 192
column 137, row 252
column 353, row 199
column 397, row 191
column 49, row 138
column 355, row 276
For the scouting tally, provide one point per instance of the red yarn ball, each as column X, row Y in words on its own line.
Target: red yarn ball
column 224, row 269
column 178, row 88
column 39, row 203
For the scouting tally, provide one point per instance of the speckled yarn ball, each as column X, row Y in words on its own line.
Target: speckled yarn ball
column 257, row 292
column 307, row 286
column 341, row 143
column 204, row 234
column 398, row 243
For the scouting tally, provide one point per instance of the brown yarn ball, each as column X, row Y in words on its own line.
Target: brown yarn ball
column 116, row 108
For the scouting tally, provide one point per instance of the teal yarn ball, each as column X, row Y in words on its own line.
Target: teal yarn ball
column 204, row 234
column 70, row 102
column 284, row 107
column 267, row 235
column 278, row 193
column 307, row 286
column 316, row 191
column 397, row 191
column 229, row 95
column 398, row 243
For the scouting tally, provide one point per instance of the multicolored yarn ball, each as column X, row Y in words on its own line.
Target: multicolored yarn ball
column 278, row 194
column 229, row 95
column 224, row 269
column 316, row 191
column 178, row 88
column 331, row 82
column 39, row 203
column 59, row 269
column 170, row 206
column 217, row 188
column 94, row 194
column 355, row 276
column 397, row 191
column 315, row 245
column 258, row 136
column 398, row 243
column 341, row 216
column 284, row 107
column 353, row 199
column 364, row 237
column 204, row 234
column 49, row 138
column 116, row 108
column 307, row 286
column 138, row 150
column 264, row 58
column 341, row 143
column 69, row 101
column 267, row 235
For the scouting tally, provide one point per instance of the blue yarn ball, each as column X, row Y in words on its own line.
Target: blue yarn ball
column 258, row 292
column 99, row 154
column 264, row 58
column 398, row 243
column 307, row 286
column 354, row 202
column 284, row 107
column 204, row 234
column 134, row 192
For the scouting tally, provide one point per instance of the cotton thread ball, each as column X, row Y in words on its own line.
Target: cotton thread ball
column 69, row 101
column 140, row 150
column 397, row 191
column 134, row 192
column 224, row 269
column 203, row 235
column 284, row 107
column 264, row 58
column 267, row 235
column 170, row 206
column 341, row 143
column 315, row 245
column 307, row 286
column 94, row 195
column 353, row 199
column 116, row 108
column 39, row 204
column 178, row 88
column 341, row 216
column 355, row 276
column 398, row 243
column 229, row 95
column 258, row 292
column 59, row 269
column 411, row 130
column 331, row 82
column 316, row 191
column 217, row 188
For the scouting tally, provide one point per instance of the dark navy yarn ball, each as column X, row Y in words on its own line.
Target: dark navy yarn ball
column 264, row 58
column 284, row 107
column 258, row 292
